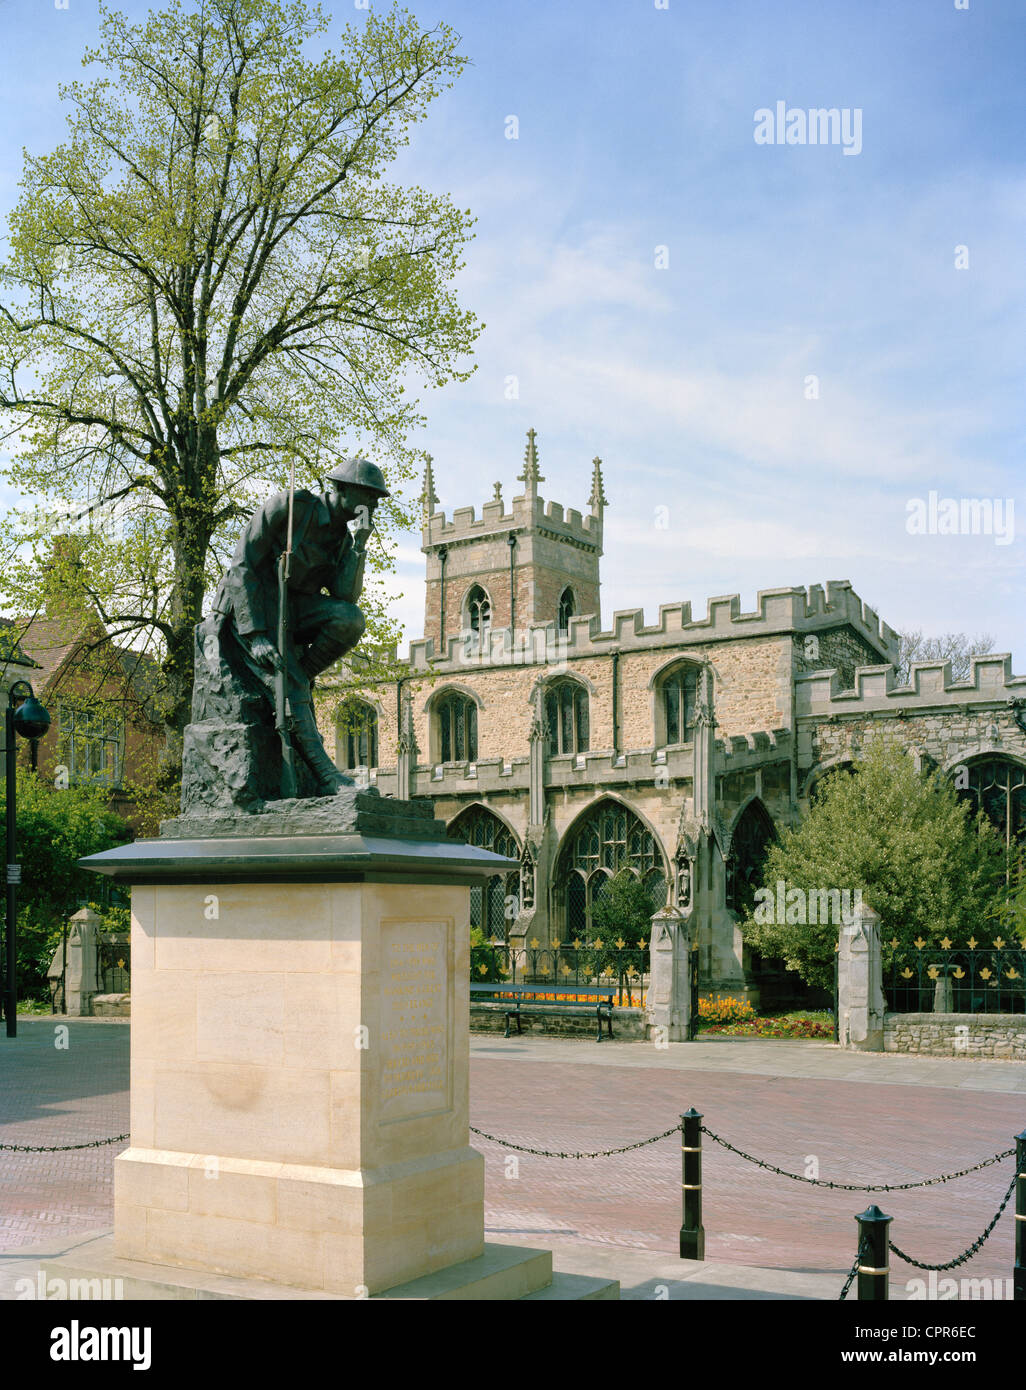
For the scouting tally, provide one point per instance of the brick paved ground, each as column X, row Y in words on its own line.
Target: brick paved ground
column 51, row 1095
column 862, row 1123
column 860, row 1132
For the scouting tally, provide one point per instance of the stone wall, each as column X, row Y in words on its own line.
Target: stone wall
column 957, row 1035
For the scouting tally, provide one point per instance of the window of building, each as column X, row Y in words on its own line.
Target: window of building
column 567, row 609
column 457, row 728
column 609, row 840
column 566, row 717
column 494, row 904
column 677, row 703
column 358, row 735
column 997, row 787
column 749, row 844
column 478, row 613
column 90, row 744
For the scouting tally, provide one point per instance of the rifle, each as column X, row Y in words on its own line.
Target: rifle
column 282, row 708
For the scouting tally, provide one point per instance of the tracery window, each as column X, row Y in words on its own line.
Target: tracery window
column 749, row 845
column 358, row 735
column 456, row 716
column 496, row 902
column 997, row 786
column 566, row 717
column 678, row 701
column 610, row 839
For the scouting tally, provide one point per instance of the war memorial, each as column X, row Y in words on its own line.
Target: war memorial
column 299, row 1052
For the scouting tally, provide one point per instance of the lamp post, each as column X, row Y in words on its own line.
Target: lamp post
column 30, row 720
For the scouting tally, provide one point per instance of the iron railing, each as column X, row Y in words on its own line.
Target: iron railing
column 974, row 978
column 613, row 964
column 113, row 964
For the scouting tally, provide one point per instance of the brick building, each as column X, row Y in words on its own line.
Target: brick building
column 675, row 749
column 105, row 727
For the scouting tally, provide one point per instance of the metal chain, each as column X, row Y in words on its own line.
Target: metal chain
column 60, row 1148
column 966, row 1254
column 863, row 1250
column 599, row 1153
column 857, row 1187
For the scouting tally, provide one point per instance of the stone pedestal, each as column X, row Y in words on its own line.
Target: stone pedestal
column 300, row 1050
column 299, row 1086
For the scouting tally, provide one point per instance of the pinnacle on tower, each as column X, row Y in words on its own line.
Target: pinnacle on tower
column 598, row 497
column 531, row 475
column 428, row 497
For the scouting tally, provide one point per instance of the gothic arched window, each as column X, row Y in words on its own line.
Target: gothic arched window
column 997, row 787
column 567, row 608
column 749, row 845
column 496, row 902
column 478, row 613
column 677, row 694
column 456, row 716
column 566, row 717
column 358, row 735
column 609, row 840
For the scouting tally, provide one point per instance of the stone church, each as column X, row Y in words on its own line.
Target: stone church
column 675, row 749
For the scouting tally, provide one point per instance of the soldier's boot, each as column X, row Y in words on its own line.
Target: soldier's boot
column 310, row 746
column 338, row 636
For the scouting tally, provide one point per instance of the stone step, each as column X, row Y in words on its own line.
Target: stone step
column 575, row 1288
column 502, row 1272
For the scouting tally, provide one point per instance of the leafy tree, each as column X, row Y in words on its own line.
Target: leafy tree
column 210, row 282
column 56, row 828
column 624, row 911
column 956, row 647
column 905, row 839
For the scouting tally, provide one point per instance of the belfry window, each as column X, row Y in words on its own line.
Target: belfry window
column 479, row 614
column 567, row 609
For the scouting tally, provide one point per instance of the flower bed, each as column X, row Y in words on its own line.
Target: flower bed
column 737, row 1018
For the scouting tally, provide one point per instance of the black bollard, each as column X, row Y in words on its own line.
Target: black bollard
column 1019, row 1273
column 874, row 1265
column 692, row 1232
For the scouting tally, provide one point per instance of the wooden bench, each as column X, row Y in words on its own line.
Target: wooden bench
column 519, row 1001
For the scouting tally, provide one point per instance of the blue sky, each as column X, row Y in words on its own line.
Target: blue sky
column 636, row 131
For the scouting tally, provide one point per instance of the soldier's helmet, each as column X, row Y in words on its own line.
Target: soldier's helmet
column 359, row 473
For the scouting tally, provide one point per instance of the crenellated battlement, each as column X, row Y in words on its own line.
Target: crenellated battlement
column 818, row 609
column 525, row 512
column 822, row 694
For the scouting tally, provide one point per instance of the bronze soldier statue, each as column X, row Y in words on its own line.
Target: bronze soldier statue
column 325, row 578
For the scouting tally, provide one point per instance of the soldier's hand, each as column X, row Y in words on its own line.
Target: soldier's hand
column 265, row 653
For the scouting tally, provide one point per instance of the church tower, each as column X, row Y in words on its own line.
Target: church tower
column 530, row 564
